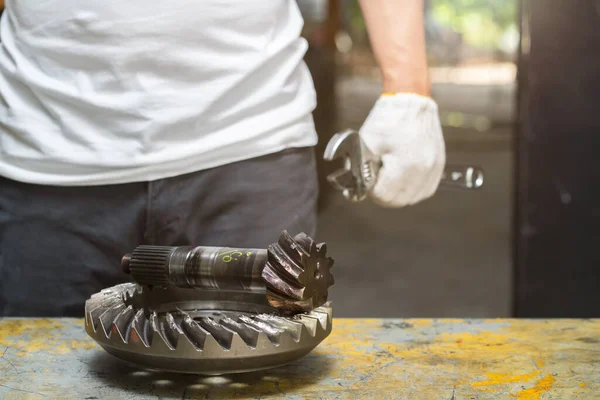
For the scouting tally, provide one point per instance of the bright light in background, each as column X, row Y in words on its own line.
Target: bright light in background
column 480, row 74
column 509, row 41
column 343, row 42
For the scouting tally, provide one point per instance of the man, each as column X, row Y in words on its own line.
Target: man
column 174, row 123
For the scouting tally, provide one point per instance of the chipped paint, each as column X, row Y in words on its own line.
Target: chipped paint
column 367, row 358
column 47, row 335
column 535, row 392
column 500, row 379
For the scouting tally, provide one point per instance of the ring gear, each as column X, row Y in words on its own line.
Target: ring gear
column 208, row 332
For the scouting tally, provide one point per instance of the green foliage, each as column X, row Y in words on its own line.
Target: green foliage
column 356, row 23
column 482, row 22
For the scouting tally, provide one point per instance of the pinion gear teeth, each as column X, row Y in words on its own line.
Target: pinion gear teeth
column 135, row 325
column 297, row 273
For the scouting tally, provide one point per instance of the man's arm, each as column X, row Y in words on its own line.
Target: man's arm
column 397, row 35
column 1, row 5
column 403, row 128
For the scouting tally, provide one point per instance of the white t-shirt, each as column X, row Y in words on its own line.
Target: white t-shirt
column 100, row 92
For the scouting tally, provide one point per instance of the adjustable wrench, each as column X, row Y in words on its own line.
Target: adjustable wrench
column 361, row 167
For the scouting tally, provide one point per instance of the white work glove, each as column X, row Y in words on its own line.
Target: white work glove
column 404, row 130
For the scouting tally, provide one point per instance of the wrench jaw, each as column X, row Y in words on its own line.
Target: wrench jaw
column 342, row 179
column 359, row 173
column 342, row 144
column 345, row 181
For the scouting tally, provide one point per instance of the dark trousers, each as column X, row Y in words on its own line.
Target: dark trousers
column 59, row 245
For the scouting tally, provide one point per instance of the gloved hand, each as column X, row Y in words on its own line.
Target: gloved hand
column 404, row 130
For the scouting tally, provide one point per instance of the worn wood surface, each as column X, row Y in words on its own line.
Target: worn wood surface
column 362, row 358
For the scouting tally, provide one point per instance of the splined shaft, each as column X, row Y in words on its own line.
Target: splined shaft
column 197, row 267
column 294, row 273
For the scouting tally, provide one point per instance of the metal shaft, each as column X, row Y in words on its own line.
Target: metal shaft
column 462, row 177
column 294, row 273
column 200, row 267
column 455, row 176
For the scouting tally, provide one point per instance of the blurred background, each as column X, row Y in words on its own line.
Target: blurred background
column 518, row 87
column 449, row 256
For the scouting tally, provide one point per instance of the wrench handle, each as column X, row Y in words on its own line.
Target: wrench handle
column 466, row 177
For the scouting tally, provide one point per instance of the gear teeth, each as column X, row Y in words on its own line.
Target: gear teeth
column 325, row 309
column 288, row 289
column 311, row 323
column 283, row 258
column 128, row 295
column 285, row 304
column 108, row 316
column 273, row 333
column 154, row 328
column 213, row 348
column 97, row 306
column 158, row 341
column 222, row 335
column 171, row 330
column 304, row 241
column 248, row 333
column 294, row 329
column 122, row 323
column 167, row 330
column 133, row 291
column 322, row 249
column 212, row 344
column 312, row 250
column 322, row 254
column 297, row 273
column 140, row 330
column 108, row 296
column 322, row 317
column 195, row 334
column 93, row 315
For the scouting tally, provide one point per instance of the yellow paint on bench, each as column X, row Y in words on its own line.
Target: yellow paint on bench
column 362, row 358
column 32, row 336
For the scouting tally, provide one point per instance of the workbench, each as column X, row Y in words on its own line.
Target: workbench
column 362, row 358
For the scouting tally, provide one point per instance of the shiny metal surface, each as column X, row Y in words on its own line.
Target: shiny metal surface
column 361, row 166
column 359, row 174
column 210, row 332
column 462, row 177
column 293, row 273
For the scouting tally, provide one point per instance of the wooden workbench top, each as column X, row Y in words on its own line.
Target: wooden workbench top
column 362, row 358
